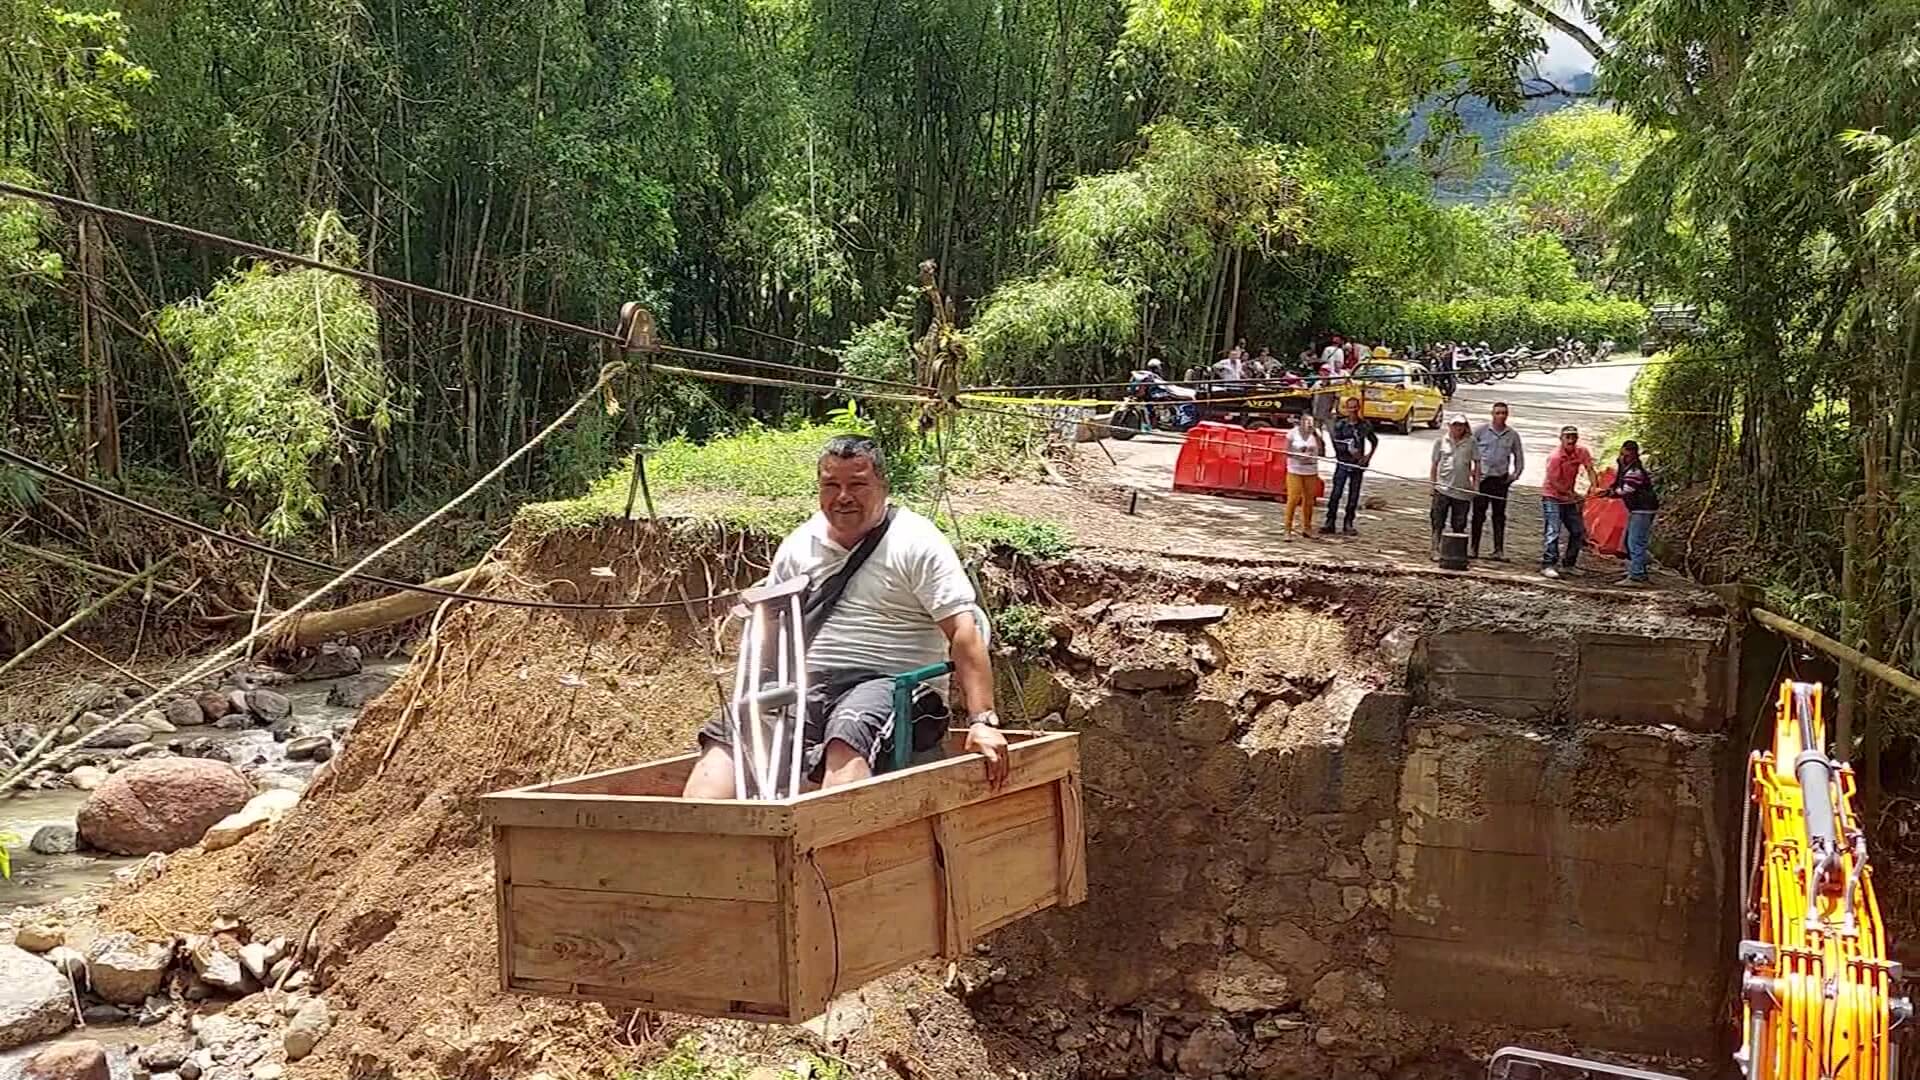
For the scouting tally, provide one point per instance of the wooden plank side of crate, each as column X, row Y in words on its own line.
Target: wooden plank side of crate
column 559, row 810
column 691, row 865
column 666, row 777
column 886, row 921
column 650, row 945
column 502, row 912
column 828, row 817
column 813, row 962
column 1011, row 874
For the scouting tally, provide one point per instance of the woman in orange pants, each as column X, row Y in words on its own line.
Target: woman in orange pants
column 1305, row 448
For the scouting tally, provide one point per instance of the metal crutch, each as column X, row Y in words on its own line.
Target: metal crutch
column 764, row 712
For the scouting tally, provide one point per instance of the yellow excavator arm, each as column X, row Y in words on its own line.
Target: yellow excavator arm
column 1818, row 999
column 1818, row 994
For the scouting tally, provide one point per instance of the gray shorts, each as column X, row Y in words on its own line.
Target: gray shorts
column 855, row 707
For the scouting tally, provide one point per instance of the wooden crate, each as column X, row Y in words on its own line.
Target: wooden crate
column 612, row 888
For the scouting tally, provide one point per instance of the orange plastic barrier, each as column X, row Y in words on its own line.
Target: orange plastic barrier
column 1606, row 521
column 1227, row 459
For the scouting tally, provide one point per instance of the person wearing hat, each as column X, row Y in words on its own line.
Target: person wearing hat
column 1560, row 504
column 1455, row 475
column 1633, row 485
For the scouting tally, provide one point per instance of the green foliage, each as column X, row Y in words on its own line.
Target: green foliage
column 1028, row 319
column 285, row 367
column 1501, row 322
column 1023, row 629
column 74, row 63
column 7, row 840
column 686, row 1062
column 24, row 256
column 1567, row 166
column 881, row 350
column 997, row 530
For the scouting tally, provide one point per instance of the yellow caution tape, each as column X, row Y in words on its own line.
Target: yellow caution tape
column 1050, row 402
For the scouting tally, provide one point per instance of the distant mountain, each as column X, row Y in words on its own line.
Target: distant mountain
column 1481, row 119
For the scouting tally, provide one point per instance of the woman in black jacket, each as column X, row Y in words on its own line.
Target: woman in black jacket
column 1633, row 486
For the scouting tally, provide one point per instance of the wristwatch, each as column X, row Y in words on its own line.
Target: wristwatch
column 989, row 718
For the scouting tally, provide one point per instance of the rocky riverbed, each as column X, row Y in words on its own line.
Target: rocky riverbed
column 274, row 728
column 210, row 768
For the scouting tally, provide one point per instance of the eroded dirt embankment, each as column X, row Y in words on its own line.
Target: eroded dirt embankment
column 1362, row 826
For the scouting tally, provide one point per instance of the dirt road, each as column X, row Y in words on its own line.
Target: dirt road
column 1129, row 503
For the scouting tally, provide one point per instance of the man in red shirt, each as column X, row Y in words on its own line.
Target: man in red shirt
column 1560, row 504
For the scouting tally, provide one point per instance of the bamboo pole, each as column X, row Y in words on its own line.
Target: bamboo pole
column 35, row 616
column 1851, row 657
column 59, row 632
column 81, row 564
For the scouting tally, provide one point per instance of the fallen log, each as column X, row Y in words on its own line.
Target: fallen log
column 315, row 627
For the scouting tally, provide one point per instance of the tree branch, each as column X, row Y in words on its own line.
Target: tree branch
column 1547, row 88
column 1564, row 25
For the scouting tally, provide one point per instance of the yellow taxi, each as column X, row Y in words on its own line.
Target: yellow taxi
column 1399, row 392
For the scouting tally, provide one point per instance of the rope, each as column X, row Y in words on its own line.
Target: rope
column 398, row 285
column 109, row 495
column 215, row 661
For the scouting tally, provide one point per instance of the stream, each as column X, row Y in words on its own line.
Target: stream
column 42, row 879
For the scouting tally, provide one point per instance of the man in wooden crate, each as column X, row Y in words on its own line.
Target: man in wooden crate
column 888, row 595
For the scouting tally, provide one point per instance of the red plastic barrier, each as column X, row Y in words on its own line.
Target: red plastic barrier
column 1227, row 459
column 1606, row 521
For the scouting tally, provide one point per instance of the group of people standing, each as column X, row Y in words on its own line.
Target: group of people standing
column 1473, row 472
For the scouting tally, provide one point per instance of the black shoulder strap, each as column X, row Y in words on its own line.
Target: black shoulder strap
column 819, row 605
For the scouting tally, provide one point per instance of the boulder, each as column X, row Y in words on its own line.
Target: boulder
column 261, row 811
column 126, row 970
column 237, row 703
column 34, row 1000
column 310, row 748
column 331, row 662
column 1210, row 1051
column 145, row 750
column 164, row 1057
column 81, row 1060
column 217, row 961
column 202, row 747
column 184, row 712
column 306, row 1029
column 214, row 704
column 122, row 735
column 156, row 721
column 55, row 840
column 87, row 777
column 91, row 721
column 160, row 805
column 40, row 937
column 269, row 704
column 281, row 729
column 68, row 962
column 104, row 1014
column 357, row 690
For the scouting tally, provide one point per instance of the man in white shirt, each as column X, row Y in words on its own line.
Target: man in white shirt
column 1333, row 358
column 909, row 605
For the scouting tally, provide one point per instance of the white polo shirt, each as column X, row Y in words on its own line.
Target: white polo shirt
column 887, row 618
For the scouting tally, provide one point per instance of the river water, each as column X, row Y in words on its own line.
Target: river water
column 41, row 879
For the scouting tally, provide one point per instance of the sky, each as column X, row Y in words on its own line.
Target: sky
column 1563, row 56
